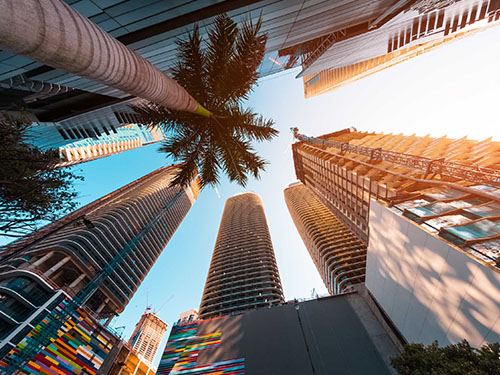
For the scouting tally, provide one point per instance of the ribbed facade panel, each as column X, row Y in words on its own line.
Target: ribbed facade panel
column 243, row 273
column 339, row 256
column 406, row 34
column 70, row 252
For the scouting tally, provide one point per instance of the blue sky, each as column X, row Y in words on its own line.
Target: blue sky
column 451, row 91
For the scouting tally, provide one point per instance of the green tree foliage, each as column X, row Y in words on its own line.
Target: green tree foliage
column 458, row 359
column 32, row 190
column 219, row 73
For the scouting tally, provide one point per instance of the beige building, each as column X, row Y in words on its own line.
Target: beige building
column 127, row 361
column 124, row 138
column 243, row 273
column 188, row 316
column 339, row 256
column 147, row 336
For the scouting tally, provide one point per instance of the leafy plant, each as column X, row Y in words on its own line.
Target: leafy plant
column 457, row 359
column 31, row 188
column 219, row 73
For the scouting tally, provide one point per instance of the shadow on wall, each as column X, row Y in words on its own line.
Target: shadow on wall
column 429, row 289
column 319, row 336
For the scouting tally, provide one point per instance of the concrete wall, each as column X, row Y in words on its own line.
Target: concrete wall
column 327, row 336
column 430, row 289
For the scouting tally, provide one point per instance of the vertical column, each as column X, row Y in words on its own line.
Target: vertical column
column 42, row 259
column 103, row 304
column 77, row 280
column 58, row 265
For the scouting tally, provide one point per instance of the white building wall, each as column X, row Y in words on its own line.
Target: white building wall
column 430, row 289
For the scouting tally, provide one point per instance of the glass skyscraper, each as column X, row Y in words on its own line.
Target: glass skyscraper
column 60, row 259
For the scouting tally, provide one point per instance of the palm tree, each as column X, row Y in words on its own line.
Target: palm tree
column 220, row 76
column 53, row 33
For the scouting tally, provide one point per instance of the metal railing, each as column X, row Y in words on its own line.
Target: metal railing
column 472, row 173
column 326, row 43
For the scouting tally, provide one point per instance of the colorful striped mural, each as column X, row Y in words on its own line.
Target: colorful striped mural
column 80, row 348
column 183, row 347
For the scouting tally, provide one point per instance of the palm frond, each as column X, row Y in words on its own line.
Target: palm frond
column 249, row 125
column 243, row 67
column 185, row 174
column 220, row 50
column 190, row 70
column 209, row 171
column 220, row 77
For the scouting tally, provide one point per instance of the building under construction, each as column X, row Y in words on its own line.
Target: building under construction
column 347, row 169
column 147, row 336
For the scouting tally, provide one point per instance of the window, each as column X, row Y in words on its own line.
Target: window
column 63, row 134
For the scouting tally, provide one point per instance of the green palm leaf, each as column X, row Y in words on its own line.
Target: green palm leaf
column 220, row 76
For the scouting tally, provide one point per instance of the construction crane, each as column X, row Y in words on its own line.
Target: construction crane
column 472, row 173
column 58, row 317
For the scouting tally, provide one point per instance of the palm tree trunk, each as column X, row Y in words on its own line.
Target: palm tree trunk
column 51, row 32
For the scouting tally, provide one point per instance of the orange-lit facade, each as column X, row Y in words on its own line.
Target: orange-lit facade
column 243, row 273
column 428, row 210
column 408, row 30
column 346, row 181
column 128, row 362
column 331, row 79
column 339, row 256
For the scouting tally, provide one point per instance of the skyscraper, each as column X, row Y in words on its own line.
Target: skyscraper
column 401, row 32
column 354, row 167
column 73, row 106
column 428, row 210
column 147, row 336
column 97, row 124
column 243, row 274
column 61, row 259
column 339, row 256
column 122, row 139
